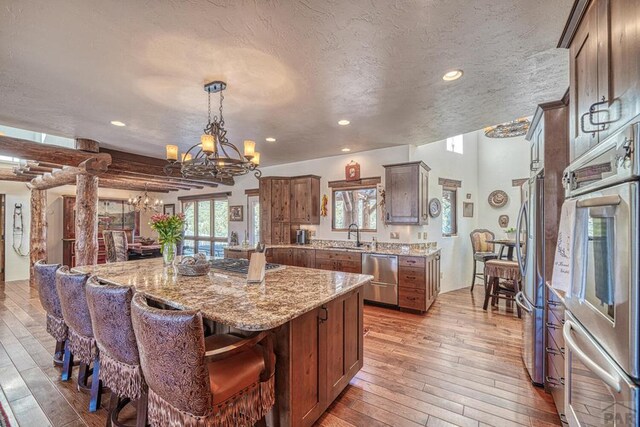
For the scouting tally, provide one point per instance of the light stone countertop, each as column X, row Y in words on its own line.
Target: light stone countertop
column 226, row 297
column 382, row 251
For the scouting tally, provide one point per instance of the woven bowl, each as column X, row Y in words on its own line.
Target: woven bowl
column 193, row 269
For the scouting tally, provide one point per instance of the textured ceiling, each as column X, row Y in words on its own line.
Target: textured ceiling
column 293, row 68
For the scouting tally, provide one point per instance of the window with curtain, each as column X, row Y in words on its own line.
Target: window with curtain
column 449, row 212
column 207, row 226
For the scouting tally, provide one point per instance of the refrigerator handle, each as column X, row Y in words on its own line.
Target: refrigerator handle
column 518, row 248
column 523, row 303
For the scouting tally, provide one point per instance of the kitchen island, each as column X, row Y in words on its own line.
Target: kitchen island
column 316, row 316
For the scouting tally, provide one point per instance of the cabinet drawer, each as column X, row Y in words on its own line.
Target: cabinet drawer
column 410, row 277
column 338, row 255
column 556, row 311
column 555, row 369
column 412, row 298
column 555, row 339
column 412, row 261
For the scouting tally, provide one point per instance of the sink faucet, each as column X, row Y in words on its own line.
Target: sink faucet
column 358, row 244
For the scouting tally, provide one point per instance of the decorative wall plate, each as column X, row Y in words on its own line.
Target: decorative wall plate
column 498, row 198
column 434, row 208
column 503, row 221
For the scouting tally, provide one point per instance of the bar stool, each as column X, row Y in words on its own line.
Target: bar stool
column 81, row 343
column 116, row 245
column 503, row 282
column 110, row 310
column 45, row 279
column 483, row 251
column 230, row 386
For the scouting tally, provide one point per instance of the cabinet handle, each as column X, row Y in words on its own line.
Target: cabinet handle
column 554, row 351
column 551, row 325
column 595, row 109
column 326, row 314
column 583, row 129
column 411, row 277
column 554, row 382
column 388, row 216
column 553, row 303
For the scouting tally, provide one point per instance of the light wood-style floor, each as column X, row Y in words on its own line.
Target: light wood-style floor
column 457, row 365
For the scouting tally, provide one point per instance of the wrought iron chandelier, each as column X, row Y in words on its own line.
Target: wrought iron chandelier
column 142, row 203
column 214, row 158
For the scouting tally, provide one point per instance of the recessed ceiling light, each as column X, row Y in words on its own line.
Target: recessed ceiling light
column 270, row 139
column 343, row 122
column 452, row 75
column 346, row 150
column 117, row 123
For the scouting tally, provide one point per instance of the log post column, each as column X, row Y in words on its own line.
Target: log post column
column 38, row 231
column 86, row 245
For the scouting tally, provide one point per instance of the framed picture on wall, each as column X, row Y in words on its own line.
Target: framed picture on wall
column 236, row 213
column 169, row 209
column 467, row 210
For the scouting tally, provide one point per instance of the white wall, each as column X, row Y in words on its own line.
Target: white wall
column 500, row 161
column 16, row 267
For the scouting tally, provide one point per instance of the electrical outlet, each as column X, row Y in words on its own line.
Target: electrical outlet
column 419, row 235
column 424, row 235
column 394, row 235
column 441, row 275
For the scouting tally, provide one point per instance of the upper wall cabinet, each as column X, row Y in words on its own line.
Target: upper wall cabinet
column 305, row 200
column 407, row 193
column 604, row 46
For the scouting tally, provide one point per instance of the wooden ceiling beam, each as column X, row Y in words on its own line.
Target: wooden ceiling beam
column 9, row 175
column 29, row 150
column 131, row 186
column 67, row 175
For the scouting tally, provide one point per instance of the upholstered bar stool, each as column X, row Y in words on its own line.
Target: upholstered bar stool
column 504, row 282
column 81, row 343
column 232, row 385
column 483, row 251
column 120, row 371
column 45, row 279
column 116, row 245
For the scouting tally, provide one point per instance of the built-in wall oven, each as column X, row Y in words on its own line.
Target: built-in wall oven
column 602, row 325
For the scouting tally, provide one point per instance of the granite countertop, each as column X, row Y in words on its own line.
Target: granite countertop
column 382, row 251
column 226, row 297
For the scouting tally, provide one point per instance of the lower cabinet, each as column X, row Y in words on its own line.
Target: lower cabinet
column 348, row 262
column 418, row 281
column 554, row 375
column 303, row 257
column 327, row 351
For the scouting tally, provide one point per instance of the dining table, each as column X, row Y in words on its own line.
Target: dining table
column 508, row 244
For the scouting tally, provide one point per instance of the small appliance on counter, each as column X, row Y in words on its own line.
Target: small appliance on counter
column 302, row 237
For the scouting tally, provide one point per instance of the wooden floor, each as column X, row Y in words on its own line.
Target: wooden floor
column 458, row 365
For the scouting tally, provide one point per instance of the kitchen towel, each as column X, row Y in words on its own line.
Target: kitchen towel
column 570, row 250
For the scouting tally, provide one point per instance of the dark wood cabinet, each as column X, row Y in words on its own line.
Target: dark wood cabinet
column 418, row 281
column 285, row 203
column 303, row 257
column 305, row 200
column 348, row 262
column 604, row 45
column 407, row 193
column 327, row 352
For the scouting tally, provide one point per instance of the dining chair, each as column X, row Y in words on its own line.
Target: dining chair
column 482, row 252
column 120, row 371
column 45, row 280
column 81, row 343
column 231, row 385
column 504, row 280
column 116, row 245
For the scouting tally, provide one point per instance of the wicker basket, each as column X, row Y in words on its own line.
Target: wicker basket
column 193, row 269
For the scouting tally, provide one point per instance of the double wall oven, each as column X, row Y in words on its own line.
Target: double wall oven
column 602, row 324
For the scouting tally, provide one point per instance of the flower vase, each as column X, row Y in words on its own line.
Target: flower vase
column 169, row 250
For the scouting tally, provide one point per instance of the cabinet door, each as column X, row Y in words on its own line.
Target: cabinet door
column 583, row 54
column 623, row 35
column 342, row 339
column 304, row 258
column 265, row 211
column 305, row 200
column 402, row 194
column 307, row 376
column 280, row 198
column 424, row 196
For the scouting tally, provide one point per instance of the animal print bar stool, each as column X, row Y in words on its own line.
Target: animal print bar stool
column 45, row 279
column 81, row 343
column 189, row 386
column 110, row 309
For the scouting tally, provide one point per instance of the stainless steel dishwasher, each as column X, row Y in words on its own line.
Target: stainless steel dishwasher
column 384, row 286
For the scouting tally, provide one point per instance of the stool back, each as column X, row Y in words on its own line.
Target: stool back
column 479, row 240
column 110, row 311
column 45, row 279
column 172, row 349
column 73, row 301
column 116, row 245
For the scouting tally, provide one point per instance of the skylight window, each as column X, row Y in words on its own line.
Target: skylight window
column 454, row 144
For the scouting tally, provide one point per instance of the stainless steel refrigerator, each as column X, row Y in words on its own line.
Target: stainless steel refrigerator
column 530, row 231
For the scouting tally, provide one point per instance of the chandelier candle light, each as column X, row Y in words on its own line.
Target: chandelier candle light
column 143, row 202
column 214, row 159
